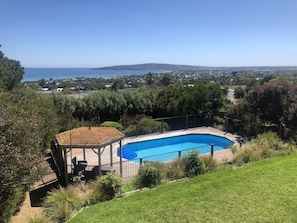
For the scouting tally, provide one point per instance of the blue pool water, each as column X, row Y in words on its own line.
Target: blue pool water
column 166, row 149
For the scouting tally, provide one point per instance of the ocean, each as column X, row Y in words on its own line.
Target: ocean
column 35, row 74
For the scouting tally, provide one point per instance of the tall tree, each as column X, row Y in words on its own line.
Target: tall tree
column 271, row 104
column 149, row 78
column 11, row 72
column 104, row 106
column 180, row 100
column 167, row 101
column 140, row 101
column 166, row 80
column 239, row 93
column 118, row 84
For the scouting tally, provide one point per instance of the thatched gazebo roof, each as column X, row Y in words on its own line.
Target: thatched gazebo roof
column 93, row 138
column 89, row 137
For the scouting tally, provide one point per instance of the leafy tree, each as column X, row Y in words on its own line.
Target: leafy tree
column 149, row 78
column 251, row 84
column 167, row 101
column 118, row 84
column 239, row 93
column 11, row 72
column 166, row 80
column 215, row 98
column 239, row 118
column 27, row 125
column 68, row 110
column 271, row 101
column 267, row 78
column 42, row 82
column 272, row 104
column 140, row 101
column 286, row 77
column 179, row 100
column 104, row 106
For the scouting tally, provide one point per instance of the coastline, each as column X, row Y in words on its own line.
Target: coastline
column 36, row 74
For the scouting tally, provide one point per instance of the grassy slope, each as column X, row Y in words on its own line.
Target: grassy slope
column 265, row 191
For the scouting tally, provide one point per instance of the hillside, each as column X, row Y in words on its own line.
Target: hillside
column 263, row 191
column 175, row 67
column 152, row 66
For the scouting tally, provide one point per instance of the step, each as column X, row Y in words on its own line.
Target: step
column 127, row 154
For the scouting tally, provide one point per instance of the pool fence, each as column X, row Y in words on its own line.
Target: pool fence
column 128, row 169
column 175, row 123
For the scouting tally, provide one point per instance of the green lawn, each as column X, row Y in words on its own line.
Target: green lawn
column 265, row 191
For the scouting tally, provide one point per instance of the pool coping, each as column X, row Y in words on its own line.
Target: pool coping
column 199, row 130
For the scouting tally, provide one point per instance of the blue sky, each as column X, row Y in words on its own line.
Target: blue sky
column 96, row 33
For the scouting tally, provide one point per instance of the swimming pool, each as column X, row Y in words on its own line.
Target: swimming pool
column 166, row 149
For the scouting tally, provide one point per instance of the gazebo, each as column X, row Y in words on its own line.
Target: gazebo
column 84, row 138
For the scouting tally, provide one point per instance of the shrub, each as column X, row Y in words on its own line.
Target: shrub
column 245, row 155
column 130, row 130
column 160, row 166
column 271, row 145
column 79, row 178
column 116, row 125
column 83, row 192
column 210, row 163
column 219, row 120
column 193, row 164
column 110, row 186
column 175, row 170
column 9, row 203
column 95, row 194
column 39, row 219
column 60, row 204
column 145, row 126
column 233, row 149
column 128, row 186
column 148, row 176
column 264, row 146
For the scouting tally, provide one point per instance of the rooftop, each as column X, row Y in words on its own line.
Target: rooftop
column 89, row 136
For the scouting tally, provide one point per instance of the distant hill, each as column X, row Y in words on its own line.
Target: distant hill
column 152, row 66
column 174, row 67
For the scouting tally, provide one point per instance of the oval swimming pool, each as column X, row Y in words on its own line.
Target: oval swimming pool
column 166, row 149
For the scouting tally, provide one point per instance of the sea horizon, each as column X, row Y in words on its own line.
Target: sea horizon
column 39, row 73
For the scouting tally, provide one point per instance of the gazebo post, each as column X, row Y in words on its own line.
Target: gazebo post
column 71, row 164
column 121, row 159
column 84, row 153
column 111, row 155
column 99, row 161
column 65, row 167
